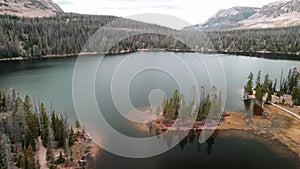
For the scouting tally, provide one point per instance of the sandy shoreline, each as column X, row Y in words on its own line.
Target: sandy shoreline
column 279, row 131
column 277, row 126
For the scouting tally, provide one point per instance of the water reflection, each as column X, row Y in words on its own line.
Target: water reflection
column 247, row 105
column 223, row 150
column 252, row 108
column 192, row 138
column 257, row 110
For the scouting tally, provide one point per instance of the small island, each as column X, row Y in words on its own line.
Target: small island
column 189, row 115
column 277, row 118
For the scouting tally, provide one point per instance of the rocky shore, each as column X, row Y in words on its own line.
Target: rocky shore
column 274, row 125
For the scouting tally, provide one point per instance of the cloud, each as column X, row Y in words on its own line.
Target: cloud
column 164, row 6
column 64, row 2
column 194, row 11
column 152, row 1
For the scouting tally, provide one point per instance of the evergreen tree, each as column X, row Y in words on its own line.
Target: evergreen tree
column 266, row 84
column 77, row 124
column 60, row 159
column 249, row 86
column 50, row 155
column 44, row 124
column 170, row 112
column 259, row 94
column 164, row 105
column 183, row 111
column 269, row 98
column 258, row 79
column 176, row 102
column 6, row 152
column 29, row 160
column 8, row 101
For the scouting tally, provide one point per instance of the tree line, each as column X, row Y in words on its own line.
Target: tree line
column 286, row 85
column 176, row 106
column 68, row 33
column 272, row 40
column 22, row 122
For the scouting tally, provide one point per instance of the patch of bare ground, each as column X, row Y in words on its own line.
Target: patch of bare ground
column 284, row 127
column 235, row 121
column 278, row 126
column 41, row 154
column 275, row 127
column 275, row 124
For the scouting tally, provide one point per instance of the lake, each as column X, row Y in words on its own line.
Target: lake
column 50, row 81
column 240, row 150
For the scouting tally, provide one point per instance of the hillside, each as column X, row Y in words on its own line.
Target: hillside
column 68, row 33
column 29, row 8
column 227, row 18
column 65, row 34
column 277, row 14
column 283, row 13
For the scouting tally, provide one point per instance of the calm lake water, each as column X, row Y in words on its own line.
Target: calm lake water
column 51, row 81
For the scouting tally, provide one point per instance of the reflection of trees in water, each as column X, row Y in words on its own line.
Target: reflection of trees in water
column 252, row 108
column 210, row 142
column 191, row 138
column 247, row 105
column 194, row 137
column 257, row 110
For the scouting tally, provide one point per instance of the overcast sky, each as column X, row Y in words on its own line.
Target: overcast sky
column 192, row 11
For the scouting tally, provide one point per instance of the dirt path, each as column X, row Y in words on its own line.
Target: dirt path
column 292, row 113
column 42, row 155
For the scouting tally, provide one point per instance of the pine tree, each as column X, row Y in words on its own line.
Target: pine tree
column 6, row 155
column 44, row 124
column 71, row 136
column 2, row 100
column 8, row 101
column 176, row 102
column 266, row 83
column 77, row 124
column 60, row 158
column 259, row 94
column 67, row 149
column 269, row 98
column 258, row 79
column 164, row 105
column 50, row 155
column 29, row 160
column 170, row 112
column 249, row 86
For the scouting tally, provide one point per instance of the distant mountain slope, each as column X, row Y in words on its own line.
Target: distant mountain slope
column 227, row 18
column 277, row 14
column 29, row 8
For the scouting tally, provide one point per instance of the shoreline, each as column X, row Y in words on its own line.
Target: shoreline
column 277, row 126
column 265, row 55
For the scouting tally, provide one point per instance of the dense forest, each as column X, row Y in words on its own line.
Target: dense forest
column 22, row 123
column 259, row 42
column 286, row 85
column 68, row 33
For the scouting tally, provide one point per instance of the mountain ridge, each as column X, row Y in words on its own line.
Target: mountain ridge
column 282, row 13
column 29, row 8
column 227, row 18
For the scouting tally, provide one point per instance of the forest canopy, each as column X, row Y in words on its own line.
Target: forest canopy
column 68, row 33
